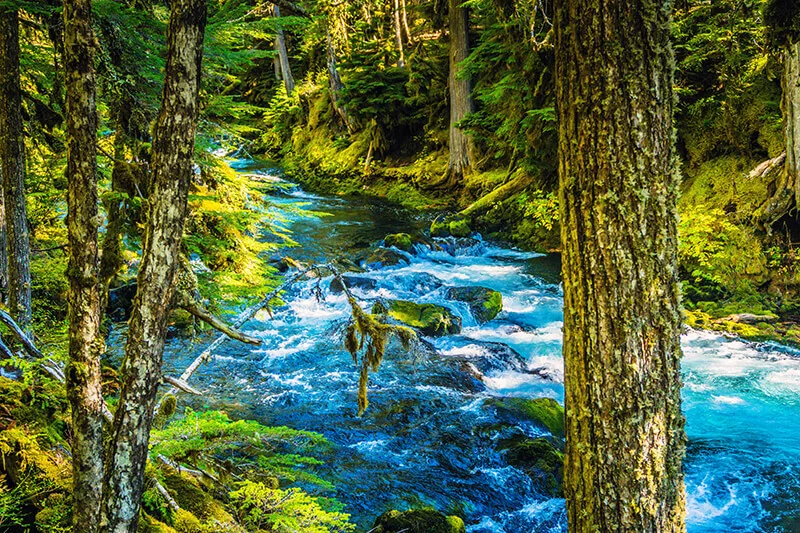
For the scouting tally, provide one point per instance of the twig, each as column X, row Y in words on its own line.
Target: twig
column 180, row 385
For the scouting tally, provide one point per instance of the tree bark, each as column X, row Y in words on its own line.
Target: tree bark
column 283, row 54
column 618, row 194
column 407, row 30
column 461, row 103
column 398, row 35
column 172, row 168
column 3, row 245
column 335, row 85
column 83, row 375
column 12, row 155
column 110, row 258
column 787, row 191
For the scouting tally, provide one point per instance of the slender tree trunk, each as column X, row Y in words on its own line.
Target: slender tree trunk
column 283, row 54
column 12, row 154
column 110, row 258
column 409, row 39
column 3, row 246
column 461, row 103
column 398, row 35
column 335, row 84
column 84, row 384
column 173, row 146
column 618, row 191
column 787, row 191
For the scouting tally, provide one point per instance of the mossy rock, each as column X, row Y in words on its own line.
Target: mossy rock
column 459, row 228
column 540, row 459
column 385, row 257
column 401, row 241
column 544, row 412
column 440, row 229
column 484, row 303
column 431, row 319
column 148, row 524
column 418, row 521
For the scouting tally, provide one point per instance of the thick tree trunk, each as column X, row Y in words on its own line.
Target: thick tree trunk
column 461, row 103
column 787, row 191
column 618, row 190
column 173, row 146
column 398, row 35
column 12, row 154
column 84, row 384
column 283, row 54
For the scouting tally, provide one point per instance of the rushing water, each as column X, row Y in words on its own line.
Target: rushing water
column 428, row 439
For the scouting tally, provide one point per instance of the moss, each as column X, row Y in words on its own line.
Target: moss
column 485, row 304
column 186, row 522
column 431, row 319
column 545, row 412
column 440, row 228
column 459, row 228
column 540, row 459
column 401, row 241
column 191, row 497
column 418, row 521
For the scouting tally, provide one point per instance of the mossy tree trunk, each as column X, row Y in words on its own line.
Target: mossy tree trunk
column 787, row 187
column 172, row 169
column 84, row 384
column 111, row 258
column 12, row 156
column 3, row 245
column 283, row 53
column 618, row 192
column 461, row 103
column 335, row 84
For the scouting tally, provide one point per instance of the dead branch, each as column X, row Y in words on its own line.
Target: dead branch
column 216, row 323
column 768, row 166
column 181, row 385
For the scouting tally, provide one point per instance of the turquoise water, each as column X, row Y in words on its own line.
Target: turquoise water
column 428, row 438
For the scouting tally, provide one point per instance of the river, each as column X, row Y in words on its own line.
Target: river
column 428, row 438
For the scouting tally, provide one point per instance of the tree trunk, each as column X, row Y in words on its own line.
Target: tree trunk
column 398, row 35
column 409, row 39
column 461, row 103
column 84, row 383
column 12, row 154
column 283, row 54
column 787, row 192
column 617, row 195
column 335, row 85
column 172, row 168
column 110, row 259
column 3, row 246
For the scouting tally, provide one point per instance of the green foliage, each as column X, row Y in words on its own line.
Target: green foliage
column 540, row 207
column 714, row 249
column 262, row 508
column 212, row 441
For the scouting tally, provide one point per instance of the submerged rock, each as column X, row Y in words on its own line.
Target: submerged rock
column 359, row 282
column 383, row 257
column 430, row 319
column 485, row 304
column 401, row 241
column 544, row 412
column 540, row 458
column 417, row 521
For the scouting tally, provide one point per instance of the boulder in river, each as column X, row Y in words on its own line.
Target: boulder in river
column 383, row 257
column 401, row 241
column 485, row 304
column 430, row 319
column 446, row 228
column 544, row 412
column 540, row 458
column 417, row 521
